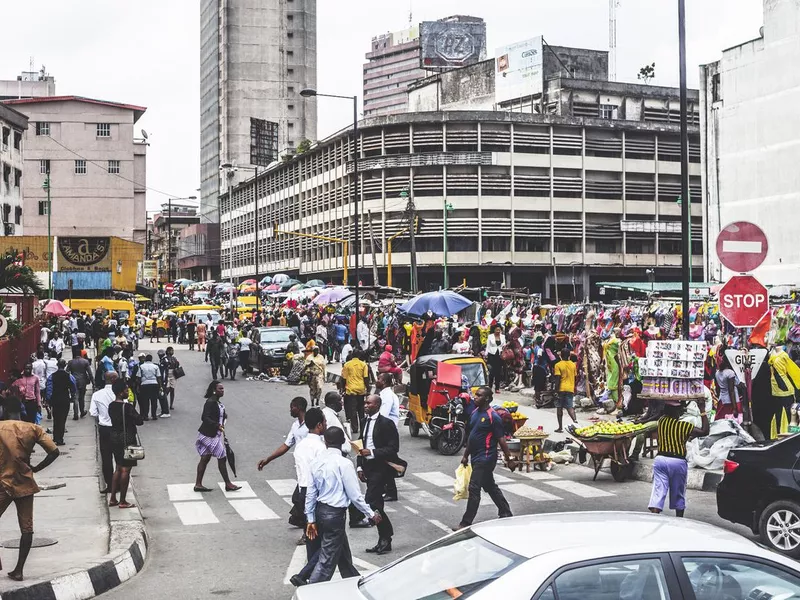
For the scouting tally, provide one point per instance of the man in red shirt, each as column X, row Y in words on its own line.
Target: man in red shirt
column 387, row 364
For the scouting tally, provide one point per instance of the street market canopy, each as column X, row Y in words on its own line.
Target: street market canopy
column 443, row 304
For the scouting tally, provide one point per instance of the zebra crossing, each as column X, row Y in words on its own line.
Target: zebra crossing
column 420, row 493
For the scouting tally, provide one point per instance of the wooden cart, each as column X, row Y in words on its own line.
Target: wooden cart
column 615, row 449
column 530, row 447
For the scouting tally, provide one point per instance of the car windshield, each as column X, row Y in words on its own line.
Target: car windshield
column 274, row 337
column 454, row 567
column 121, row 314
column 474, row 373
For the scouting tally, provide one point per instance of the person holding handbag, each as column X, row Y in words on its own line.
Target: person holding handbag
column 211, row 438
column 171, row 371
column 124, row 420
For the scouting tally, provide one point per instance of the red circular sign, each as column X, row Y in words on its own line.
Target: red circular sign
column 169, row 288
column 743, row 301
column 742, row 246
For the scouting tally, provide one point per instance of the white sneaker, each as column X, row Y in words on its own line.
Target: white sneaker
column 164, row 415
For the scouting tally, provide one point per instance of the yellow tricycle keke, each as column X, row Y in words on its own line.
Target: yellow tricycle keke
column 436, row 403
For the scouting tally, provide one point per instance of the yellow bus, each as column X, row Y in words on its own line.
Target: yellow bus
column 119, row 309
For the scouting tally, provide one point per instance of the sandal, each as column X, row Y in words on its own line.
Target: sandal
column 113, row 502
column 126, row 505
column 202, row 489
column 233, row 488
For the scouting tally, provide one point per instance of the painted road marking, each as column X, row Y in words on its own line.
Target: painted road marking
column 579, row 489
column 181, row 492
column 299, row 561
column 411, row 510
column 426, row 499
column 440, row 525
column 402, row 484
column 437, row 478
column 195, row 513
column 539, row 475
column 253, row 510
column 526, row 491
column 502, row 479
column 245, row 492
column 282, row 487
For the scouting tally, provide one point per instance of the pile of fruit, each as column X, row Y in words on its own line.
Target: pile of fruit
column 609, row 428
column 529, row 432
column 518, row 416
column 510, row 404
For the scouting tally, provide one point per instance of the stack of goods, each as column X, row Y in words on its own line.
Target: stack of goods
column 673, row 370
column 527, row 432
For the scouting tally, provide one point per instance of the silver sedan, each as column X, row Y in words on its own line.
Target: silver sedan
column 578, row 556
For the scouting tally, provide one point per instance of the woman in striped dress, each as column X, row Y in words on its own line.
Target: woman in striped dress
column 211, row 438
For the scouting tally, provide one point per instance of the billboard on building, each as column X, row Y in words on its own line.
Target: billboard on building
column 84, row 253
column 518, row 70
column 33, row 249
column 263, row 142
column 450, row 44
column 149, row 272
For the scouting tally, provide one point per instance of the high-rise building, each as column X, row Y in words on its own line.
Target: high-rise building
column 396, row 59
column 749, row 141
column 255, row 58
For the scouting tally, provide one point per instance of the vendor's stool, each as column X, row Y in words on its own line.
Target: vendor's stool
column 650, row 444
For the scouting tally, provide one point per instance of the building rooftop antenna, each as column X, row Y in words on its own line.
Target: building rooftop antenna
column 410, row 13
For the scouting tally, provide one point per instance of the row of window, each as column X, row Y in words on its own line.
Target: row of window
column 80, row 167
column 103, row 130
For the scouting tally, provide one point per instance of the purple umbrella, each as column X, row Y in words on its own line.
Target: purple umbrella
column 332, row 295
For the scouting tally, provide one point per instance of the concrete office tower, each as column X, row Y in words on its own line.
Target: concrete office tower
column 749, row 135
column 255, row 57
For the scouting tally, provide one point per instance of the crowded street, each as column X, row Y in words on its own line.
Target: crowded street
column 198, row 542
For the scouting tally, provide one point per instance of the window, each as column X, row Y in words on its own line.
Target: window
column 289, row 54
column 738, row 578
column 17, row 215
column 606, row 246
column 291, row 125
column 290, row 71
column 716, row 88
column 6, row 136
column 634, row 578
column 17, row 177
column 568, row 245
column 290, row 35
column 290, row 106
column 42, row 207
column 290, row 89
column 113, row 167
column 17, row 140
column 80, row 167
column 104, row 130
column 42, row 128
column 464, row 563
column 608, row 111
column 44, row 166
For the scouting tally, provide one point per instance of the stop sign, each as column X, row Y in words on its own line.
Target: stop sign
column 742, row 246
column 169, row 288
column 743, row 301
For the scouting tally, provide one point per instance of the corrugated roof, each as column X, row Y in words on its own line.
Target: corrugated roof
column 138, row 111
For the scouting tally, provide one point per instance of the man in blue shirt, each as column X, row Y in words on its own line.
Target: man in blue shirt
column 485, row 433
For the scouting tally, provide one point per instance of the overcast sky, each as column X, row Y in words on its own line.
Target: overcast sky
column 147, row 52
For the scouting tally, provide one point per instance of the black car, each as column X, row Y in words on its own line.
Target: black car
column 269, row 346
column 761, row 489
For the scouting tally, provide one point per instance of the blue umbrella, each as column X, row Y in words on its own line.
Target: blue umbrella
column 443, row 304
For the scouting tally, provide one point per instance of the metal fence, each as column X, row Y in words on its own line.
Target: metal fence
column 15, row 352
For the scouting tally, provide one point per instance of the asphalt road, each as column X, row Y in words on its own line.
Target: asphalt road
column 242, row 546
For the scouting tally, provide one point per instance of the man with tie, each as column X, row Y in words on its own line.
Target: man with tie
column 332, row 488
column 380, row 445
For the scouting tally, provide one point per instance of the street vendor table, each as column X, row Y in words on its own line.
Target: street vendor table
column 529, row 448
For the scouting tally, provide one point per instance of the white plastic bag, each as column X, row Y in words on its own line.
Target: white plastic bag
column 461, row 486
column 711, row 451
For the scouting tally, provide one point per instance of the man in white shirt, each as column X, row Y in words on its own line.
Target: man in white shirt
column 390, row 403
column 333, row 487
column 40, row 370
column 297, row 409
column 98, row 408
column 331, row 409
column 57, row 345
column 345, row 352
column 305, row 453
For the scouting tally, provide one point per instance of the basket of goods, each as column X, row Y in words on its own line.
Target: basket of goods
column 529, row 433
column 609, row 430
column 518, row 420
column 510, row 406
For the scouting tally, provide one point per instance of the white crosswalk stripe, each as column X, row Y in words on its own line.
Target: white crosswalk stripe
column 437, row 478
column 195, row 513
column 181, row 492
column 526, row 491
column 424, row 499
column 253, row 509
column 282, row 487
column 579, row 489
column 245, row 492
column 538, row 475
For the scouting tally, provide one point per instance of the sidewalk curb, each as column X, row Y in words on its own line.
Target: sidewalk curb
column 128, row 550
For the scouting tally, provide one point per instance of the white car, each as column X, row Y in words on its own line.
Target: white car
column 579, row 556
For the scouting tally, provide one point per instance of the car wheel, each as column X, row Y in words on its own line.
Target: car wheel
column 779, row 527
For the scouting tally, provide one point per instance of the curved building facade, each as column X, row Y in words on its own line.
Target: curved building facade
column 530, row 200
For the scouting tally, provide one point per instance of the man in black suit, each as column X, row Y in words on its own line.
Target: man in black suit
column 381, row 443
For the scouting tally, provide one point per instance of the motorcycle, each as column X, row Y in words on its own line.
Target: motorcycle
column 447, row 426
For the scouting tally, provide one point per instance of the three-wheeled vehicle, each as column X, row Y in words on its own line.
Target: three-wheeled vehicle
column 434, row 403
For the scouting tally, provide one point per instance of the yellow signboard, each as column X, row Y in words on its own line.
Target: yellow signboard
column 32, row 247
column 84, row 253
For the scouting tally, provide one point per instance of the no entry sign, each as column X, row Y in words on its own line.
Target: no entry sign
column 743, row 301
column 742, row 246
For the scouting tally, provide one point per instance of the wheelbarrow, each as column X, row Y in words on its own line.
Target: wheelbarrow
column 613, row 448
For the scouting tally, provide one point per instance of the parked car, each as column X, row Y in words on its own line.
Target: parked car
column 578, row 556
column 760, row 489
column 269, row 347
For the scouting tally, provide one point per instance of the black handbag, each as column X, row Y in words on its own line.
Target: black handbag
column 179, row 372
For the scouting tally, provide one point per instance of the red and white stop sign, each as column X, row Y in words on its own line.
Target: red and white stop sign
column 743, row 301
column 169, row 288
column 742, row 246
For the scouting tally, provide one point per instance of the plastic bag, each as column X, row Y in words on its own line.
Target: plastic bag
column 711, row 451
column 461, row 486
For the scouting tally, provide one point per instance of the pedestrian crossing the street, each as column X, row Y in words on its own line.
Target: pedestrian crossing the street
column 420, row 494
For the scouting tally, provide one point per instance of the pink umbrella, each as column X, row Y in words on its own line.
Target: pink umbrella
column 57, row 308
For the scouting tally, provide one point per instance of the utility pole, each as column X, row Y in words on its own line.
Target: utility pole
column 411, row 214
column 169, row 241
column 555, row 278
column 49, row 238
column 447, row 208
column 372, row 244
column 686, row 204
column 255, row 231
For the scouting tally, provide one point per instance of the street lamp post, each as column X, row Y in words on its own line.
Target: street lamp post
column 49, row 238
column 686, row 204
column 310, row 93
column 447, row 208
